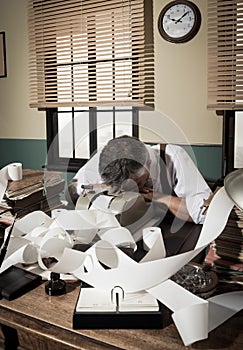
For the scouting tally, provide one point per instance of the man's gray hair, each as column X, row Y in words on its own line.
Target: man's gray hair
column 120, row 158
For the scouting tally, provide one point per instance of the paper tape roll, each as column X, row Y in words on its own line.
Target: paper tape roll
column 12, row 172
column 15, row 172
column 149, row 236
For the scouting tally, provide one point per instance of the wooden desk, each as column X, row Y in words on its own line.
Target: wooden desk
column 45, row 322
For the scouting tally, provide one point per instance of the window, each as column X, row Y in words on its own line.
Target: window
column 225, row 75
column 91, row 65
column 91, row 53
column 225, row 54
column 74, row 134
column 238, row 146
column 232, row 141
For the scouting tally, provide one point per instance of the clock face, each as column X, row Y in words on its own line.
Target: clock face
column 179, row 21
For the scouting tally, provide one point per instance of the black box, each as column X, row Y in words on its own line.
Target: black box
column 15, row 281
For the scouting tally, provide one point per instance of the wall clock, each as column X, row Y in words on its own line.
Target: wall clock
column 179, row 21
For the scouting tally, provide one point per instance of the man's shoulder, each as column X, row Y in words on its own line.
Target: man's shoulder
column 166, row 147
column 174, row 148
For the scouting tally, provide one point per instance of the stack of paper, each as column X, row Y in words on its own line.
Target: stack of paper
column 38, row 190
column 223, row 265
column 229, row 245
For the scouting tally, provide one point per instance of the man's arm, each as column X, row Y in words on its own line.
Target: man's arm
column 187, row 182
column 177, row 206
column 86, row 175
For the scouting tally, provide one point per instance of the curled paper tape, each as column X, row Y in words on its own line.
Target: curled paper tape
column 81, row 222
column 118, row 236
column 153, row 242
column 20, row 250
column 191, row 314
column 12, row 172
column 53, row 247
column 194, row 317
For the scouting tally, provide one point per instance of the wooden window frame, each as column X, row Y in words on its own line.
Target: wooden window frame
column 54, row 161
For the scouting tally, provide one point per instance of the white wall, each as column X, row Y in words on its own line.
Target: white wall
column 181, row 83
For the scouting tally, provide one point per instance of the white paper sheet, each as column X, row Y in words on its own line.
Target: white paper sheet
column 118, row 236
column 153, row 242
column 35, row 220
column 100, row 300
column 84, row 223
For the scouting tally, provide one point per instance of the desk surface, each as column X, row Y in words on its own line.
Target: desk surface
column 45, row 322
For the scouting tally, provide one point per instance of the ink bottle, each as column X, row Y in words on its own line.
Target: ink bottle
column 55, row 286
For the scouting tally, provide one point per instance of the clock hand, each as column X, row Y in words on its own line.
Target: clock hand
column 172, row 19
column 179, row 20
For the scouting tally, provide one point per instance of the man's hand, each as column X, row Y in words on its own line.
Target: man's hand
column 157, row 197
column 146, row 190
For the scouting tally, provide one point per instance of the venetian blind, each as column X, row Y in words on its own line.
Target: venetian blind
column 90, row 53
column 225, row 55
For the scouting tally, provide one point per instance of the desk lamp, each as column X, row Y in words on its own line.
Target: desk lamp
column 233, row 184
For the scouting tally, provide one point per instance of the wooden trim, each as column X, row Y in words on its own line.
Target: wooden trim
column 3, row 64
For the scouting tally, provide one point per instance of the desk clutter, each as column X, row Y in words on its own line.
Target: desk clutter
column 44, row 244
column 229, row 244
column 37, row 190
column 226, row 252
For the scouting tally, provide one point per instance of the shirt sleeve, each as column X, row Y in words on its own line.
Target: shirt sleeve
column 89, row 173
column 187, row 181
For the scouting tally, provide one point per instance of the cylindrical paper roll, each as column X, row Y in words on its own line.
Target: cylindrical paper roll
column 15, row 171
column 149, row 236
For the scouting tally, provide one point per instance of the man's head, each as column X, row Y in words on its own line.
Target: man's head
column 124, row 159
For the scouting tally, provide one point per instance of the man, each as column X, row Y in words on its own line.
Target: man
column 126, row 163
